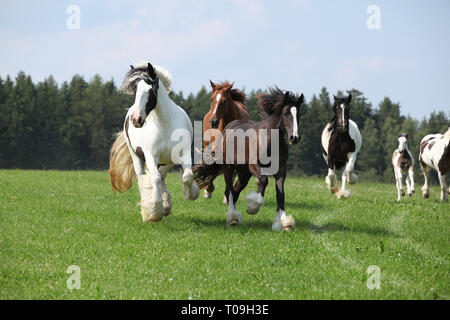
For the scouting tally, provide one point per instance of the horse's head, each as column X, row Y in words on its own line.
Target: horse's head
column 402, row 141
column 342, row 112
column 219, row 97
column 290, row 113
column 146, row 93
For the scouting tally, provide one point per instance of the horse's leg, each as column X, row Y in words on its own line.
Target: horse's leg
column 151, row 201
column 208, row 190
column 242, row 182
column 282, row 221
column 330, row 179
column 190, row 187
column 411, row 180
column 425, row 188
column 256, row 199
column 398, row 178
column 408, row 184
column 167, row 205
column 346, row 174
column 444, row 195
column 225, row 201
column 234, row 217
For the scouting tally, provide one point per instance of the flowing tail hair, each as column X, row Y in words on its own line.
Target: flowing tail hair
column 204, row 173
column 121, row 167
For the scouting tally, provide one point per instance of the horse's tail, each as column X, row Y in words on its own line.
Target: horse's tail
column 204, row 173
column 121, row 167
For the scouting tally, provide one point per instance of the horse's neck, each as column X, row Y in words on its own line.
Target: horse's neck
column 231, row 112
column 164, row 107
column 273, row 122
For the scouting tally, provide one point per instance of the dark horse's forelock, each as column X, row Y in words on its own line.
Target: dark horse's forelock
column 275, row 100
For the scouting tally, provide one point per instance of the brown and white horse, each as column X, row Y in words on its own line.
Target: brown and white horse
column 435, row 154
column 403, row 162
column 341, row 142
column 227, row 104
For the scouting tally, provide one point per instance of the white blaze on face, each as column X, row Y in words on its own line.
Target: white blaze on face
column 142, row 93
column 295, row 125
column 401, row 143
column 217, row 102
column 343, row 113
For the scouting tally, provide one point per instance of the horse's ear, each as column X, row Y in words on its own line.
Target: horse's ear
column 229, row 87
column 131, row 66
column 151, row 70
column 349, row 98
column 213, row 85
column 286, row 97
column 334, row 97
column 301, row 99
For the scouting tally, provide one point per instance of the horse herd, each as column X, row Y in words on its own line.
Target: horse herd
column 158, row 134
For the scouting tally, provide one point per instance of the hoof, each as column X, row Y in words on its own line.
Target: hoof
column 403, row 193
column 426, row 195
column 410, row 194
column 287, row 228
column 206, row 194
column 153, row 212
column 353, row 179
column 167, row 205
column 343, row 194
column 233, row 222
column 413, row 191
column 334, row 189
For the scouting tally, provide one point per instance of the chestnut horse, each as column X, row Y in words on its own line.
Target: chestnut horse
column 227, row 104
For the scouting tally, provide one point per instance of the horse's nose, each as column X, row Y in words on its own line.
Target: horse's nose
column 294, row 139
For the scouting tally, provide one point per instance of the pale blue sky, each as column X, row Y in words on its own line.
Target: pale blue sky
column 299, row 45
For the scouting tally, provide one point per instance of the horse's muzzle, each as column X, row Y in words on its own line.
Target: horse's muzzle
column 294, row 139
column 137, row 123
column 214, row 123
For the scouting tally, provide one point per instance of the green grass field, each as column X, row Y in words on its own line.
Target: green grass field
column 50, row 220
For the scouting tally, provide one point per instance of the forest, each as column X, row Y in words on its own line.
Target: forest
column 71, row 126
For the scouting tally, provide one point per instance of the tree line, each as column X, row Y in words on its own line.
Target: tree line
column 71, row 126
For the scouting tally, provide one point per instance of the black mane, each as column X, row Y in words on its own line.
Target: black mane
column 275, row 100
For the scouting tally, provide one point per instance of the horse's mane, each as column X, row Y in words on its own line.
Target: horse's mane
column 273, row 101
column 236, row 94
column 333, row 123
column 139, row 72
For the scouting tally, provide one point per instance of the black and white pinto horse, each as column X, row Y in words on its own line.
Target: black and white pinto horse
column 435, row 154
column 157, row 134
column 341, row 142
column 403, row 163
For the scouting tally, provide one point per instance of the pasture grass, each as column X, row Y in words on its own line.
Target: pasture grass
column 50, row 220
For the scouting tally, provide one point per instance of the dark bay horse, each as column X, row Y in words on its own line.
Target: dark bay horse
column 259, row 149
column 341, row 142
column 227, row 104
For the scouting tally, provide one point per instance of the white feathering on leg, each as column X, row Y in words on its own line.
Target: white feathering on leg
column 254, row 202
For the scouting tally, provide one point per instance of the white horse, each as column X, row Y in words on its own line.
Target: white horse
column 149, row 146
column 403, row 162
column 341, row 142
column 435, row 154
